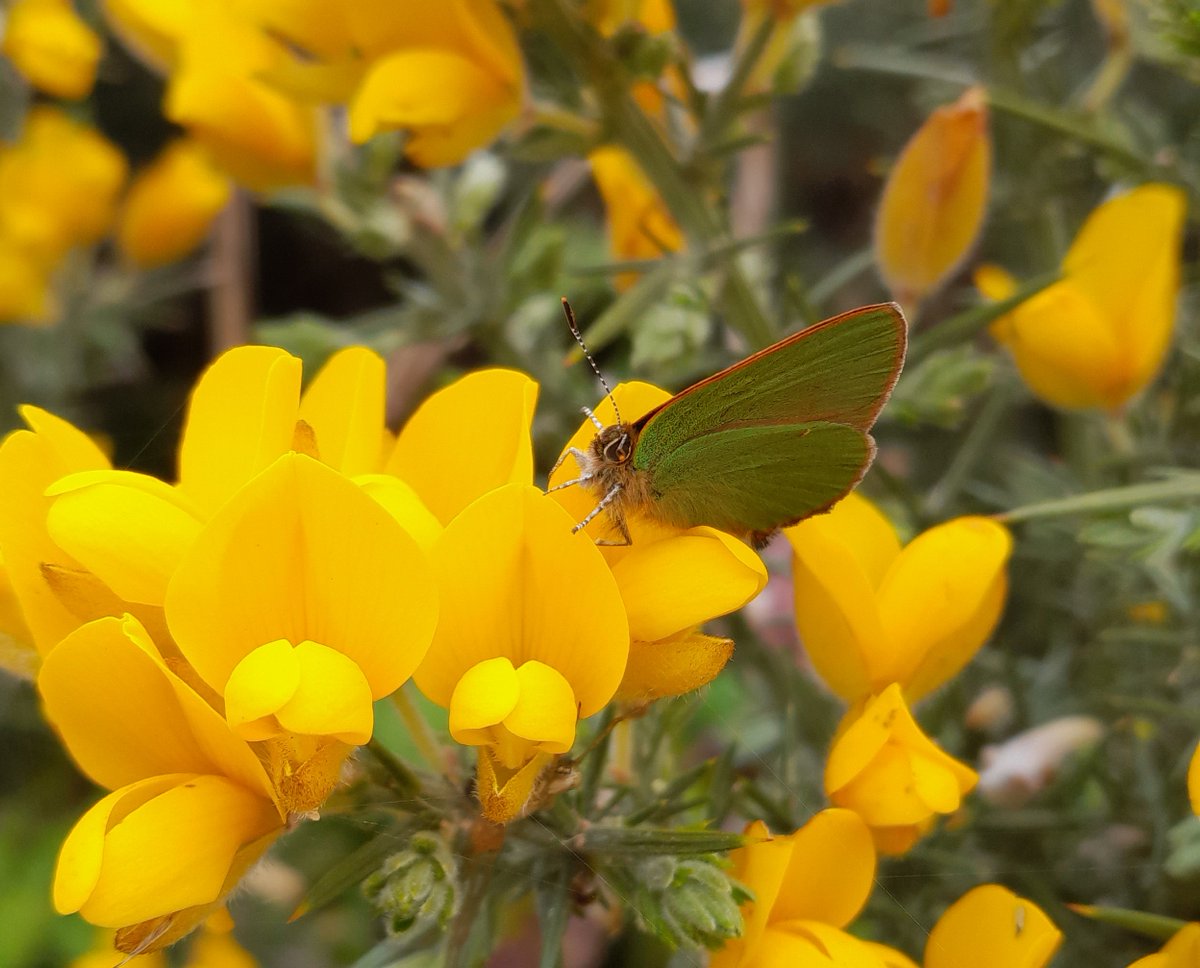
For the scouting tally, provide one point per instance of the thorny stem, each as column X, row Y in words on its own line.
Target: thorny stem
column 1181, row 487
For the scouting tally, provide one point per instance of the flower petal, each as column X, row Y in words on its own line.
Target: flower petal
column 935, row 199
column 301, row 553
column 333, row 697
column 258, row 687
column 940, row 601
column 344, row 405
column 130, row 530
column 195, row 826
column 515, row 582
column 545, row 712
column 467, row 439
column 1125, row 259
column 402, row 503
column 504, row 794
column 990, row 927
column 144, row 721
column 241, row 416
column 833, row 840
column 677, row 583
column 486, row 693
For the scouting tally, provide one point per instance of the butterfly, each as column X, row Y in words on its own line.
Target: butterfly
column 764, row 443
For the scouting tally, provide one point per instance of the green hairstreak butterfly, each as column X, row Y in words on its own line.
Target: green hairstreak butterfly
column 780, row 436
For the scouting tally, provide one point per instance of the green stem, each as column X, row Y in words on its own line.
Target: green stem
column 1181, row 487
column 976, row 443
column 422, row 736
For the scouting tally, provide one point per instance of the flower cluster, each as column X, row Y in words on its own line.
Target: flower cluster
column 248, row 615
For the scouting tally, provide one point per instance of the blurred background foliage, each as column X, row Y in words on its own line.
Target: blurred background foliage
column 453, row 269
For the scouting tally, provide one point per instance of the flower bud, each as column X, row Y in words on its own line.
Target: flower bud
column 415, row 888
column 690, row 903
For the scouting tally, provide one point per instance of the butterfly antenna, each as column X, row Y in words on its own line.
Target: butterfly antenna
column 587, row 354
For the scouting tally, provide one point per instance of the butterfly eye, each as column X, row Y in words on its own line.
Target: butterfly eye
column 618, row 449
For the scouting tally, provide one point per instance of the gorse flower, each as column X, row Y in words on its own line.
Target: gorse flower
column 796, row 918
column 58, row 189
column 891, row 774
column 532, row 637
column 871, row 613
column 170, row 206
column 990, row 927
column 639, row 225
column 51, row 46
column 935, row 199
column 187, row 790
column 1098, row 336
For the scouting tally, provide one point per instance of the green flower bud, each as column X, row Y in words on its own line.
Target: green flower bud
column 415, row 888
column 690, row 902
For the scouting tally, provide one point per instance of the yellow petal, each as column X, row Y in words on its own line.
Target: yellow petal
column 811, row 944
column 344, row 406
column 402, row 503
column 672, row 666
column 515, row 582
column 301, row 553
column 29, row 463
column 241, row 416
column 1182, row 951
column 890, row 957
column 130, row 529
column 546, row 712
column 1125, row 261
column 1193, row 781
column 258, row 687
column 467, row 439
column 994, row 282
column 676, row 584
column 990, row 927
column 486, row 693
column 833, row 840
column 1064, row 348
column 838, row 559
column 144, row 721
column 761, row 866
column 18, row 655
column 640, row 226
column 171, row 205
column 333, row 697
column 212, row 950
column 940, row 601
column 195, row 826
column 935, row 198
column 449, row 104
column 51, row 46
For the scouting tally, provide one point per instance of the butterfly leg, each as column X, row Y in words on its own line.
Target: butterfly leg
column 579, row 455
column 578, row 480
column 604, row 502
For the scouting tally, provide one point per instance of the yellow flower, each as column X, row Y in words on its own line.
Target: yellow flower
column 170, row 206
column 532, row 637
column 152, row 29
column 245, row 411
column 639, row 225
column 211, row 948
column 449, row 74
column 990, row 927
column 1098, row 336
column 889, row 772
column 935, row 199
column 1182, row 951
column 671, row 580
column 871, row 613
column 54, row 591
column 807, row 887
column 191, row 809
column 1193, row 781
column 51, row 47
column 301, row 602
column 653, row 16
column 58, row 189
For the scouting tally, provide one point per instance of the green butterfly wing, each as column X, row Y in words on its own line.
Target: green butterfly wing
column 759, row 478
column 839, row 371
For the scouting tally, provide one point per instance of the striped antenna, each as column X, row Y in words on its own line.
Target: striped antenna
column 587, row 354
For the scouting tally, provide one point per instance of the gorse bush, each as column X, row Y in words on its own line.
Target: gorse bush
column 853, row 625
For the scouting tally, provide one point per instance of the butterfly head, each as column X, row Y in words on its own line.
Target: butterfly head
column 613, row 445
